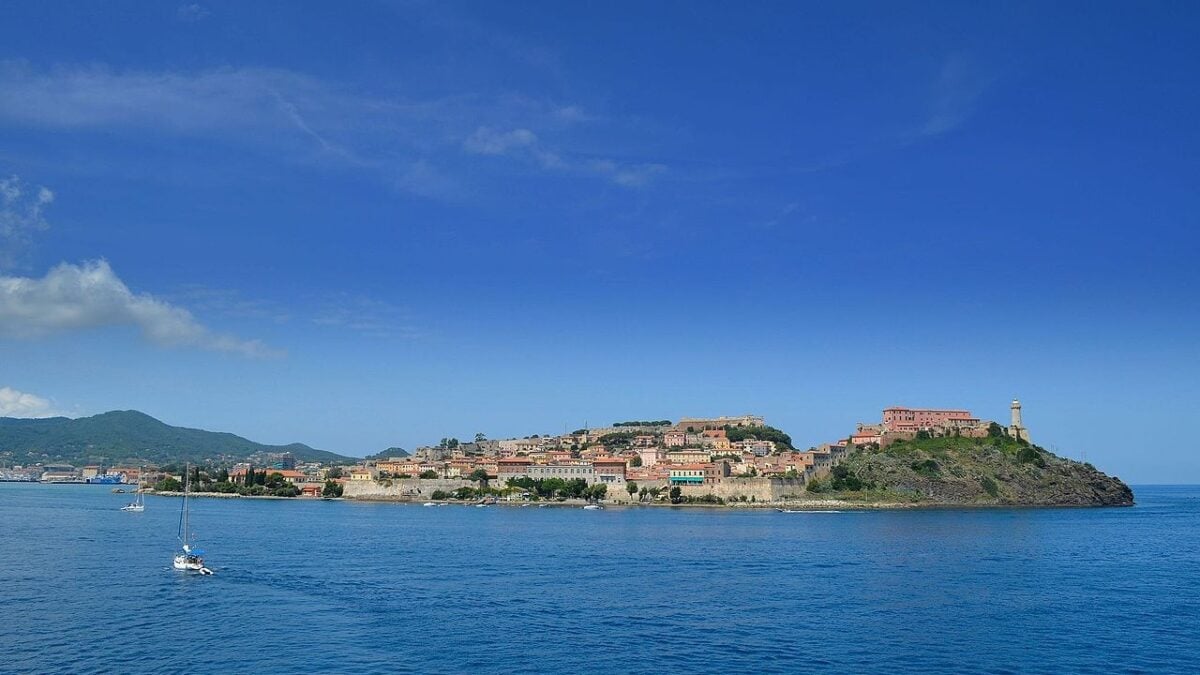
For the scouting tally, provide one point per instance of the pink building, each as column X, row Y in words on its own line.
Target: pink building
column 916, row 419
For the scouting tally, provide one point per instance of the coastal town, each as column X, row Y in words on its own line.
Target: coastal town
column 726, row 459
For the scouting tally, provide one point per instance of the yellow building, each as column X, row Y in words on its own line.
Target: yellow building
column 690, row 456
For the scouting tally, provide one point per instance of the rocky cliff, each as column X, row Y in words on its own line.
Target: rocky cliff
column 971, row 471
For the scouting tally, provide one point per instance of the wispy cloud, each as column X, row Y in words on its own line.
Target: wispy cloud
column 419, row 146
column 21, row 215
column 525, row 143
column 192, row 12
column 629, row 175
column 782, row 215
column 72, row 298
column 228, row 302
column 15, row 403
column 955, row 93
column 487, row 141
column 368, row 316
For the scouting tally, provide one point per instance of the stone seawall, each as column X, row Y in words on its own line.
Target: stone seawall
column 402, row 489
column 760, row 489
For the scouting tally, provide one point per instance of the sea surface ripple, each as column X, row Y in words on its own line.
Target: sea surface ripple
column 313, row 586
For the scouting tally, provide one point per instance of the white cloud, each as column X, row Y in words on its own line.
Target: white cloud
column 14, row 403
column 80, row 297
column 254, row 106
column 629, row 175
column 305, row 119
column 571, row 114
column 955, row 92
column 364, row 315
column 192, row 12
column 21, row 214
column 523, row 142
column 487, row 141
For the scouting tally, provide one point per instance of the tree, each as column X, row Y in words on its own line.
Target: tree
column 428, row 474
column 334, row 472
column 675, row 494
column 636, row 461
column 286, row 490
column 479, row 476
column 332, row 489
column 763, row 433
column 274, row 480
column 597, row 492
column 480, row 437
column 168, row 484
column 632, row 488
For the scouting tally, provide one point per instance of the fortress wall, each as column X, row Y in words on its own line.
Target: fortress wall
column 761, row 489
column 407, row 488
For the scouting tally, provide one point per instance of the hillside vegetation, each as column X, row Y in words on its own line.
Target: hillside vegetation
column 128, row 436
column 996, row 470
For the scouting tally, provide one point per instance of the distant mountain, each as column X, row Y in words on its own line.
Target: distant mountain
column 129, row 436
column 390, row 452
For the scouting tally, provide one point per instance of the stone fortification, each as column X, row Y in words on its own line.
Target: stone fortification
column 761, row 489
column 402, row 489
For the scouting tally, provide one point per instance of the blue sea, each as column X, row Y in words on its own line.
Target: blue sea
column 313, row 586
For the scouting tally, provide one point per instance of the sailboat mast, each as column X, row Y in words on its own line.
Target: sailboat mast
column 183, row 517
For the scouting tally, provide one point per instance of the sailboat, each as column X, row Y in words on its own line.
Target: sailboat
column 138, row 504
column 189, row 559
column 139, row 500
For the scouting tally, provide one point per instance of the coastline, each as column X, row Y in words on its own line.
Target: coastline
column 832, row 504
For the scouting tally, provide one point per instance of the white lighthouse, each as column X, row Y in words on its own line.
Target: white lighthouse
column 1016, row 429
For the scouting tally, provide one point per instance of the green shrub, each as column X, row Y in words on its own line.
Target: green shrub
column 928, row 468
column 990, row 486
column 817, row 485
column 1028, row 455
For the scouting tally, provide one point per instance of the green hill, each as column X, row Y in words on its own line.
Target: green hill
column 390, row 452
column 997, row 470
column 128, row 436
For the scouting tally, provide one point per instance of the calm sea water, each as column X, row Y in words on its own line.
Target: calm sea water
column 308, row 586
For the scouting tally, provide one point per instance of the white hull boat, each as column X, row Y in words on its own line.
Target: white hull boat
column 189, row 559
column 137, row 505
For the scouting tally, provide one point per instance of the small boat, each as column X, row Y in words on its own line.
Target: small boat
column 429, row 504
column 593, row 507
column 189, row 559
column 137, row 505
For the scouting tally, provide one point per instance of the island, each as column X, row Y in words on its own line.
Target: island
column 911, row 457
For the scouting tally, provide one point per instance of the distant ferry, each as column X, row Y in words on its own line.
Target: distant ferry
column 107, row 479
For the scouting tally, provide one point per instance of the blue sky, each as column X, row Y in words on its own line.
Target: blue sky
column 391, row 223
